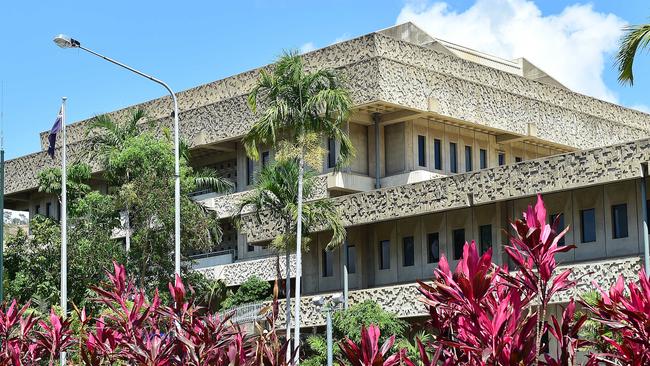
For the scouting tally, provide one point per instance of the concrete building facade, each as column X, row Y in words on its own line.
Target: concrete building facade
column 451, row 145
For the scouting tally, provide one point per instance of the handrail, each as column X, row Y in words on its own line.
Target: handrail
column 214, row 254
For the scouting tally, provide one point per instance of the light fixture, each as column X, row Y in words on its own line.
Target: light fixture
column 64, row 41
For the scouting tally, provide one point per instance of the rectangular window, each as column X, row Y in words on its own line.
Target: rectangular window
column 502, row 158
column 588, row 225
column 437, row 154
column 433, row 248
column 384, row 254
column 250, row 248
column 328, row 263
column 453, row 158
column 619, row 221
column 37, row 210
column 560, row 226
column 249, row 171
column 518, row 159
column 482, row 158
column 468, row 158
column 485, row 237
column 352, row 259
column 58, row 210
column 266, row 156
column 422, row 150
column 48, row 208
column 408, row 247
column 458, row 236
column 331, row 153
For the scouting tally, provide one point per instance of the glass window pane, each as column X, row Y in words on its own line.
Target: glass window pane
column 518, row 159
column 459, row 242
column 502, row 159
column 249, row 171
column 453, row 157
column 352, row 259
column 265, row 158
column 384, row 254
column 588, row 225
column 468, row 158
column 422, row 150
column 408, row 247
column 483, row 158
column 560, row 226
column 437, row 150
column 433, row 247
column 619, row 221
column 328, row 263
column 331, row 153
column 485, row 237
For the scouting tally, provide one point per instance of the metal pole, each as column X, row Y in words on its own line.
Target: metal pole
column 2, row 227
column 644, row 209
column 330, row 356
column 345, row 274
column 177, row 178
column 64, row 225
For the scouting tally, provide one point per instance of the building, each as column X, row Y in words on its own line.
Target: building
column 451, row 144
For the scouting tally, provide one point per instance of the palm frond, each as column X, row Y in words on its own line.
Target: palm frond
column 209, row 179
column 635, row 37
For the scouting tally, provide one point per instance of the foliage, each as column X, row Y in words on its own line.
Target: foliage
column 348, row 323
column 635, row 36
column 208, row 293
column 626, row 314
column 49, row 181
column 368, row 352
column 254, row 289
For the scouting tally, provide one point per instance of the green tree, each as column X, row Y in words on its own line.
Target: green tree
column 254, row 289
column 635, row 37
column 299, row 104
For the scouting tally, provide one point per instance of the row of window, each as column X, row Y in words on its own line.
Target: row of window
column 453, row 156
column 588, row 223
column 48, row 210
column 250, row 172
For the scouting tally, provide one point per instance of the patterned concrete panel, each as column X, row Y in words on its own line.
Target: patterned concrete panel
column 404, row 300
column 236, row 273
column 544, row 175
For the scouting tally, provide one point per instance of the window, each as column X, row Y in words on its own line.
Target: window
column 48, row 208
column 560, row 226
column 265, row 158
column 518, row 159
column 422, row 150
column 433, row 247
column 249, row 171
column 502, row 158
column 328, row 263
column 468, row 158
column 458, row 237
column 408, row 247
column 352, row 259
column 58, row 210
column 331, row 153
column 37, row 210
column 437, row 154
column 482, row 157
column 619, row 221
column 384, row 254
column 250, row 248
column 485, row 237
column 588, row 225
column 453, row 158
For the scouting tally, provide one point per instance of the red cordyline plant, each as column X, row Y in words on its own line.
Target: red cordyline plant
column 627, row 314
column 139, row 331
column 482, row 314
column 28, row 341
column 368, row 353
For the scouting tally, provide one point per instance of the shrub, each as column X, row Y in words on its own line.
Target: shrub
column 254, row 289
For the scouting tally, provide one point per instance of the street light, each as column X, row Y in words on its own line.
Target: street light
column 64, row 41
column 328, row 306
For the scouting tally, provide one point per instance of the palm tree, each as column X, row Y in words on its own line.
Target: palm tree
column 276, row 189
column 299, row 104
column 635, row 36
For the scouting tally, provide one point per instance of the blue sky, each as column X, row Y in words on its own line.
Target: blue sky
column 194, row 42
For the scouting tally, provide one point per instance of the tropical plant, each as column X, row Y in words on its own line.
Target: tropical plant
column 635, row 37
column 254, row 289
column 625, row 315
column 298, row 106
column 348, row 323
column 483, row 314
column 368, row 352
column 276, row 190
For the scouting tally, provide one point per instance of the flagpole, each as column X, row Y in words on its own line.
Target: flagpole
column 64, row 225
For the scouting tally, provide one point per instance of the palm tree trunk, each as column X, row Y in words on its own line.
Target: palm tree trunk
column 296, row 317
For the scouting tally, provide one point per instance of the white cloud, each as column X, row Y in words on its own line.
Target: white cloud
column 641, row 107
column 307, row 47
column 342, row 38
column 573, row 46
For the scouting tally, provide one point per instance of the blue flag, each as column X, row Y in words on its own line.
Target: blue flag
column 55, row 129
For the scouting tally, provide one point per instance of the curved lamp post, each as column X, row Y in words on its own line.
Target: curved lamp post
column 64, row 41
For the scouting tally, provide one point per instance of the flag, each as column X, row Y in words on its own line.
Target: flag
column 55, row 129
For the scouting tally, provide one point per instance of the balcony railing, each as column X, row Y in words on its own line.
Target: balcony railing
column 247, row 313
